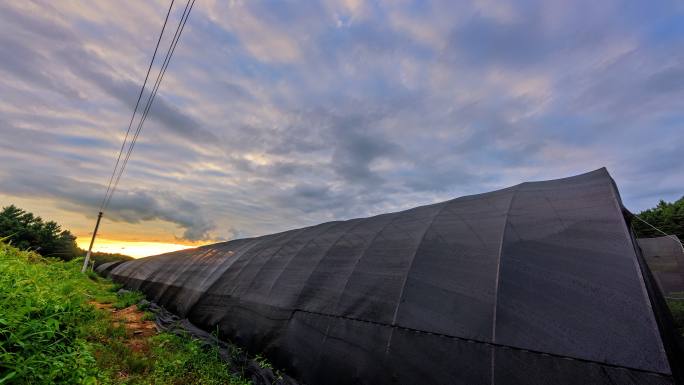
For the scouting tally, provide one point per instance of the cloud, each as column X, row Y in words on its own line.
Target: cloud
column 275, row 115
column 356, row 148
column 88, row 66
column 131, row 206
column 257, row 34
column 484, row 41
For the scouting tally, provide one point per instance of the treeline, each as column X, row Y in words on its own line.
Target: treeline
column 668, row 217
column 26, row 231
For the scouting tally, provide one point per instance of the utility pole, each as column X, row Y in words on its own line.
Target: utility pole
column 90, row 248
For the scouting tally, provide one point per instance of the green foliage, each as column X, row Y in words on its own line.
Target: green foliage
column 50, row 333
column 100, row 257
column 128, row 298
column 185, row 360
column 668, row 217
column 148, row 316
column 677, row 310
column 42, row 311
column 263, row 362
column 92, row 275
column 29, row 232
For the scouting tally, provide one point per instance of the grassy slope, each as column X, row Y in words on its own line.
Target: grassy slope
column 677, row 309
column 50, row 333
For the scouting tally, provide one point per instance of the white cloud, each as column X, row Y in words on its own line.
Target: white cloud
column 272, row 117
column 264, row 41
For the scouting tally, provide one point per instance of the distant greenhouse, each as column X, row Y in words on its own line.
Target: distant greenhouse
column 665, row 257
column 539, row 283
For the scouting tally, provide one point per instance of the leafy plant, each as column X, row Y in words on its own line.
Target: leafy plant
column 668, row 217
column 148, row 316
column 52, row 333
column 128, row 298
column 42, row 308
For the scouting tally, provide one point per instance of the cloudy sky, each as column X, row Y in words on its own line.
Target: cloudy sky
column 280, row 114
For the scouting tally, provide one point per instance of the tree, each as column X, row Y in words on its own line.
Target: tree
column 29, row 232
column 668, row 217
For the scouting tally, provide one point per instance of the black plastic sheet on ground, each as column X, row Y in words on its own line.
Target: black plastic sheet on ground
column 540, row 283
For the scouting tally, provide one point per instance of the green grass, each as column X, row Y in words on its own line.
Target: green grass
column 148, row 316
column 49, row 333
column 677, row 309
column 127, row 299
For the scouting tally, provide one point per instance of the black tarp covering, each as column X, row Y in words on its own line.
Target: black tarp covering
column 105, row 268
column 665, row 258
column 539, row 283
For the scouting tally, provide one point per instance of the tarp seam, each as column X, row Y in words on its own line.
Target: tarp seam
column 408, row 271
column 498, row 275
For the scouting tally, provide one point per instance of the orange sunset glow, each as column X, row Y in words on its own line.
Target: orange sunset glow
column 134, row 249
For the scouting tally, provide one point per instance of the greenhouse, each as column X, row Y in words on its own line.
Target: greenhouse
column 539, row 283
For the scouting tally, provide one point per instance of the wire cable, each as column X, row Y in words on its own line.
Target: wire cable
column 169, row 54
column 673, row 237
column 137, row 103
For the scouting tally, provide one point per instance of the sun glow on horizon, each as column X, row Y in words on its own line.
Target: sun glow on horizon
column 136, row 249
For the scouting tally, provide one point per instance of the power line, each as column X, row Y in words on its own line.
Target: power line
column 150, row 99
column 673, row 237
column 151, row 96
column 118, row 171
column 135, row 110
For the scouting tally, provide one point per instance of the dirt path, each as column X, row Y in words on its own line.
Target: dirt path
column 137, row 329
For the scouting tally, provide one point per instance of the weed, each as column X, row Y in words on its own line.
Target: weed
column 148, row 316
column 93, row 276
column 263, row 362
column 44, row 303
column 51, row 333
column 677, row 310
column 178, row 356
column 127, row 298
column 115, row 287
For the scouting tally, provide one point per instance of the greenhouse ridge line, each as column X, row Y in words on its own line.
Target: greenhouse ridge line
column 119, row 167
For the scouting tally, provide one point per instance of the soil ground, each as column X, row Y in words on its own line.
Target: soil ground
column 137, row 329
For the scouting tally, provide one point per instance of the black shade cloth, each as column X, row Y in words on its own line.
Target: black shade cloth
column 107, row 267
column 665, row 258
column 539, row 283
